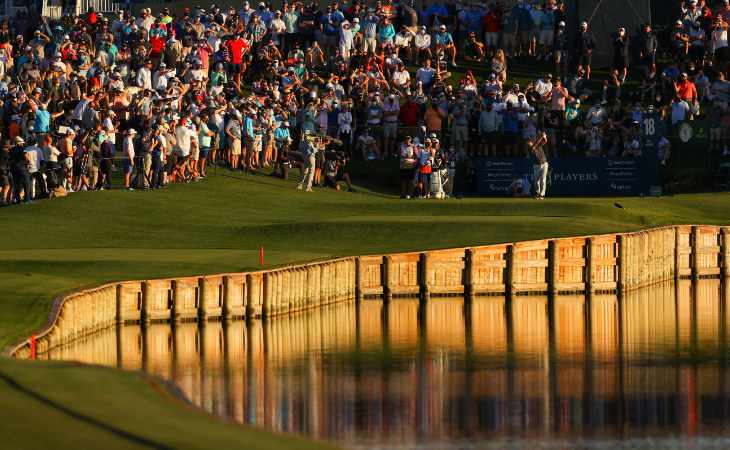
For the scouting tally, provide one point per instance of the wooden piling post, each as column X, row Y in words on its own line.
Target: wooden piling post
column 553, row 266
column 387, row 288
column 725, row 252
column 622, row 262
column 509, row 287
column 590, row 266
column 469, row 277
column 423, row 275
column 696, row 244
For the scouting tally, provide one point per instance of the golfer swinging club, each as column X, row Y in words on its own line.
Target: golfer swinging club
column 540, row 168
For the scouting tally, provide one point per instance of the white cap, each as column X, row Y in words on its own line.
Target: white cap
column 561, row 24
column 584, row 24
column 131, row 131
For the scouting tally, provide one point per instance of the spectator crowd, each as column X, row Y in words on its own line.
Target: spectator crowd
column 160, row 98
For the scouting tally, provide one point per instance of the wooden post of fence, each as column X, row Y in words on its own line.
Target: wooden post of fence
column 469, row 274
column 509, row 287
column 202, row 310
column 423, row 276
column 590, row 267
column 677, row 253
column 695, row 242
column 268, row 308
column 553, row 266
column 622, row 263
column 387, row 291
column 146, row 299
column 725, row 252
column 358, row 279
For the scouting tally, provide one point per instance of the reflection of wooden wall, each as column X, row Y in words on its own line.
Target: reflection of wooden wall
column 708, row 314
column 445, row 324
column 403, row 323
column 489, row 327
column 530, row 325
column 649, row 320
column 570, row 327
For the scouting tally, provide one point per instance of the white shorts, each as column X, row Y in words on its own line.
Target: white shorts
column 546, row 37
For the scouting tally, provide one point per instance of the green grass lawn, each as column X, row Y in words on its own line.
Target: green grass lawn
column 52, row 247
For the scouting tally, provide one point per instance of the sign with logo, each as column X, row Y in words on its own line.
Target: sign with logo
column 571, row 176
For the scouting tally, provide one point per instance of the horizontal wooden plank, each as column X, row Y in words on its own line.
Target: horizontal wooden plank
column 572, row 262
column 524, row 264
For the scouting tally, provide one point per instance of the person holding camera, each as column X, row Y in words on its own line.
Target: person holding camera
column 19, row 162
column 536, row 147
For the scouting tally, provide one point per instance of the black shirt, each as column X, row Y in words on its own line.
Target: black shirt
column 17, row 159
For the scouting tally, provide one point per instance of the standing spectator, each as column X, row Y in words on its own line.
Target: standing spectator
column 621, row 53
column 648, row 45
column 585, row 43
column 129, row 155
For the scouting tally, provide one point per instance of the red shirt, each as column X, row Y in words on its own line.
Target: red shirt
column 409, row 113
column 158, row 45
column 235, row 49
column 491, row 22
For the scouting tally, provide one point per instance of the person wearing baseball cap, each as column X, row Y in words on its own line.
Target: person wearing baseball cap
column 445, row 43
column 584, row 45
column 19, row 161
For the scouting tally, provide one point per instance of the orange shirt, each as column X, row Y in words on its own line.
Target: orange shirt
column 687, row 90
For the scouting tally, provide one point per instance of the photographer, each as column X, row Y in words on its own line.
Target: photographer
column 335, row 169
column 19, row 168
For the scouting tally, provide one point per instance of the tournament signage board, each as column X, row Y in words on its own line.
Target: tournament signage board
column 570, row 176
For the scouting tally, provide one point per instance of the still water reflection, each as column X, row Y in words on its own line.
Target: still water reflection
column 644, row 371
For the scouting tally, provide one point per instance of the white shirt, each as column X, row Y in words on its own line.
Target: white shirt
column 128, row 148
column 144, row 78
column 184, row 136
column 423, row 40
column 401, row 78
column 719, row 39
column 35, row 157
column 344, row 121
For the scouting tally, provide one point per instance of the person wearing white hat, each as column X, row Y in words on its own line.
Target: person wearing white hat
column 128, row 154
column 584, row 45
column 445, row 43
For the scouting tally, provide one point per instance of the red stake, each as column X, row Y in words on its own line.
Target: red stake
column 32, row 346
column 261, row 256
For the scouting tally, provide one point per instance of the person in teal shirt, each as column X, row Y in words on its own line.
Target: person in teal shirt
column 386, row 34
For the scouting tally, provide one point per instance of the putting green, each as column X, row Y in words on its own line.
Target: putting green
column 52, row 247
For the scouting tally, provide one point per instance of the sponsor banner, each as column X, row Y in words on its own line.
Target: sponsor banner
column 570, row 176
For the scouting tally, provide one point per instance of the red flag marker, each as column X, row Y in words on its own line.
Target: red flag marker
column 261, row 256
column 32, row 346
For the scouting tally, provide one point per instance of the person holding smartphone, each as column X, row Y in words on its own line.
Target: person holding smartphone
column 540, row 167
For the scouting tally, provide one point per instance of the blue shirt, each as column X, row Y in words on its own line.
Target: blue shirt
column 42, row 122
column 248, row 127
column 443, row 38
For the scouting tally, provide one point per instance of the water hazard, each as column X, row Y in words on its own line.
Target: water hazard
column 648, row 370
